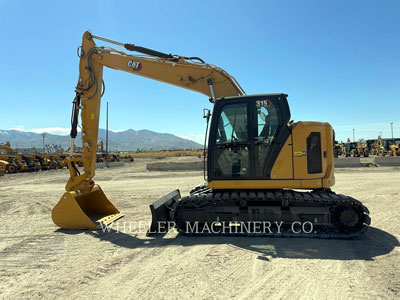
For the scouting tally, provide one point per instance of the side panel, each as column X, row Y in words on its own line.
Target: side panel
column 283, row 166
column 310, row 149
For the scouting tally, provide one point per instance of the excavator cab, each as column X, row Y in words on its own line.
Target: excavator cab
column 245, row 132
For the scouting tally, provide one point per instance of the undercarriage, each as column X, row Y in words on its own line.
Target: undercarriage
column 276, row 213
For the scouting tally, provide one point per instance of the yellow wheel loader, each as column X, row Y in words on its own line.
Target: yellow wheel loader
column 8, row 166
column 386, row 146
column 25, row 162
column 49, row 161
column 380, row 147
column 391, row 147
column 7, row 161
column 16, row 161
column 44, row 162
column 262, row 168
column 394, row 150
column 59, row 160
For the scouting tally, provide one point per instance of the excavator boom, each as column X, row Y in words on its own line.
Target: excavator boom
column 78, row 207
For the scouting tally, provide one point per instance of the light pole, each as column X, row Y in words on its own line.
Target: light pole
column 107, row 137
column 43, row 136
column 354, row 139
column 391, row 125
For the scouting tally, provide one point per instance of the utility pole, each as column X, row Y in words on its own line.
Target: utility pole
column 107, row 137
column 391, row 125
column 43, row 136
column 354, row 139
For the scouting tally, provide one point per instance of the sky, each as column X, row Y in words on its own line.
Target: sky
column 339, row 61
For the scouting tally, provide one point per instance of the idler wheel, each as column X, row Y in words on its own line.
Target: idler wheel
column 346, row 217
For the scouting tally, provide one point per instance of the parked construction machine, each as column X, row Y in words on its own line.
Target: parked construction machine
column 384, row 146
column 18, row 162
column 338, row 149
column 389, row 147
column 32, row 162
column 47, row 161
column 261, row 166
column 373, row 147
column 354, row 149
column 13, row 162
column 7, row 166
column 6, row 147
column 394, row 148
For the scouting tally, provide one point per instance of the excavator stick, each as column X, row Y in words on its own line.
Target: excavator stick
column 90, row 210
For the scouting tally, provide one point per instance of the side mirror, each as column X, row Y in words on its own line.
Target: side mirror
column 206, row 113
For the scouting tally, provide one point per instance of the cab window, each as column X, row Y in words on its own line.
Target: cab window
column 268, row 121
column 232, row 152
column 232, row 124
column 268, row 118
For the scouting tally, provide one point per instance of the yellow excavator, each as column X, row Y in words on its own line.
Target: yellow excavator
column 262, row 168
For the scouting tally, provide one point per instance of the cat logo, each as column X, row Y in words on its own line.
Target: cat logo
column 137, row 66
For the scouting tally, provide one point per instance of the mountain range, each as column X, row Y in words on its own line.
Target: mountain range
column 117, row 141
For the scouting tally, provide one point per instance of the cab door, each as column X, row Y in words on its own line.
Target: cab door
column 230, row 141
column 271, row 116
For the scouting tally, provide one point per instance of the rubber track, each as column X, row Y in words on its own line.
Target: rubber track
column 204, row 197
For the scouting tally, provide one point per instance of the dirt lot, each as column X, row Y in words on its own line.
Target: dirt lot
column 38, row 260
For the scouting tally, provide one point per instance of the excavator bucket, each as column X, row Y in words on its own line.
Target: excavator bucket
column 90, row 210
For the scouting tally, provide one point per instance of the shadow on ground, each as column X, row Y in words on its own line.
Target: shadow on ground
column 373, row 243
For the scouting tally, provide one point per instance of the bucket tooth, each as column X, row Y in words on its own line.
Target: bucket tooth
column 90, row 210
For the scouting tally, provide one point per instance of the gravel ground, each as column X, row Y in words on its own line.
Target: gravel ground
column 37, row 260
